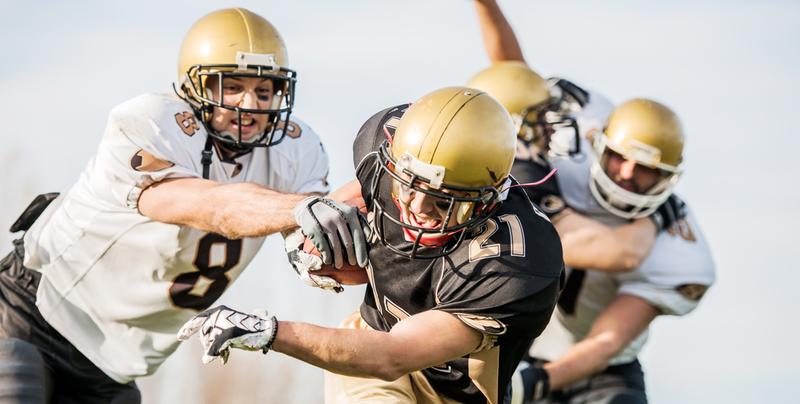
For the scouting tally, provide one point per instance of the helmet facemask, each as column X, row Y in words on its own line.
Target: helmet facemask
column 196, row 92
column 461, row 208
column 550, row 129
column 620, row 201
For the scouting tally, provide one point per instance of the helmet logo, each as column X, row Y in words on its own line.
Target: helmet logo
column 187, row 122
column 256, row 59
column 433, row 173
column 643, row 153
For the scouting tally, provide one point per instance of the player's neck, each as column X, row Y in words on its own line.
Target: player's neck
column 227, row 153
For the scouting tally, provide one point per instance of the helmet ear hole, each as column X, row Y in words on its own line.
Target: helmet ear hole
column 464, row 211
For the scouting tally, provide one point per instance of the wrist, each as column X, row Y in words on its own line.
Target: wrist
column 658, row 220
column 541, row 388
column 273, row 333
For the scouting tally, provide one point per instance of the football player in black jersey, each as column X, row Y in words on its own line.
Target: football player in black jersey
column 464, row 272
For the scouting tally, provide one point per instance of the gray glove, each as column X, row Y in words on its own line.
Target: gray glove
column 335, row 229
column 222, row 328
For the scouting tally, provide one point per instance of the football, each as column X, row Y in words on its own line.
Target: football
column 346, row 275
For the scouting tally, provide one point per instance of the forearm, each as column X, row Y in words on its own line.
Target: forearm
column 585, row 358
column 590, row 244
column 250, row 210
column 498, row 38
column 358, row 353
column 232, row 210
column 423, row 340
column 622, row 321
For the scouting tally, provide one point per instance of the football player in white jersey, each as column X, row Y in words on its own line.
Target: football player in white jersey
column 610, row 217
column 555, row 118
column 589, row 351
column 178, row 199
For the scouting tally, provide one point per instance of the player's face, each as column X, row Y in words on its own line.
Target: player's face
column 424, row 210
column 243, row 92
column 630, row 175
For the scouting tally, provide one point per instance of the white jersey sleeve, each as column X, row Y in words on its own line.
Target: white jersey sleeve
column 676, row 274
column 673, row 278
column 593, row 115
column 299, row 164
column 147, row 139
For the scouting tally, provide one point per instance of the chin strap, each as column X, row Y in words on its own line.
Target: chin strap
column 536, row 183
column 206, row 159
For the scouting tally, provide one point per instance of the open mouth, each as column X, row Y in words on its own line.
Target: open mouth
column 427, row 223
column 247, row 124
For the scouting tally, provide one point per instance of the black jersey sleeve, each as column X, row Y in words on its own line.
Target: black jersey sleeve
column 501, row 303
column 377, row 129
column 505, row 294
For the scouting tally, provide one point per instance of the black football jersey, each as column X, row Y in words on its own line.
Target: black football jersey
column 530, row 166
column 503, row 280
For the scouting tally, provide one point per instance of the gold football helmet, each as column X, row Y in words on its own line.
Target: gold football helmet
column 527, row 97
column 650, row 134
column 456, row 144
column 235, row 42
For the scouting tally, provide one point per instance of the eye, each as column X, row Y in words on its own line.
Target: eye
column 442, row 205
column 264, row 94
column 231, row 88
column 406, row 191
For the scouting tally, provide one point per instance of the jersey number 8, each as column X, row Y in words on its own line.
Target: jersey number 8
column 182, row 291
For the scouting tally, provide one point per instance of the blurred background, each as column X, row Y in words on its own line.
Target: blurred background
column 728, row 69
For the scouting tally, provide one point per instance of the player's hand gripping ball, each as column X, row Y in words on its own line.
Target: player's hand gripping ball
column 307, row 261
column 346, row 275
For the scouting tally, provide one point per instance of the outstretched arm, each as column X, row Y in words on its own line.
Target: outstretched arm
column 590, row 244
column 417, row 342
column 251, row 210
column 498, row 37
column 232, row 210
column 620, row 323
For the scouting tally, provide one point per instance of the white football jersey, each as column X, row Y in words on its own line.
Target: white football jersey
column 672, row 278
column 117, row 284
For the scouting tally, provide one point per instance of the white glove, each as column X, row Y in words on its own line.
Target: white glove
column 305, row 263
column 222, row 328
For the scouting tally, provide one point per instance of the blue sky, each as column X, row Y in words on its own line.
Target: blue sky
column 728, row 68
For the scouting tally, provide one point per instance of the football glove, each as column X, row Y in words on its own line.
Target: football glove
column 222, row 328
column 335, row 229
column 668, row 213
column 304, row 263
column 533, row 380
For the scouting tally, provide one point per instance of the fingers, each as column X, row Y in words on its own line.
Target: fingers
column 325, row 282
column 335, row 229
column 208, row 359
column 336, row 249
column 348, row 231
column 351, row 234
column 191, row 327
column 360, row 245
column 323, row 246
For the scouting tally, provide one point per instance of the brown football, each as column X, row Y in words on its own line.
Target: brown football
column 346, row 275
